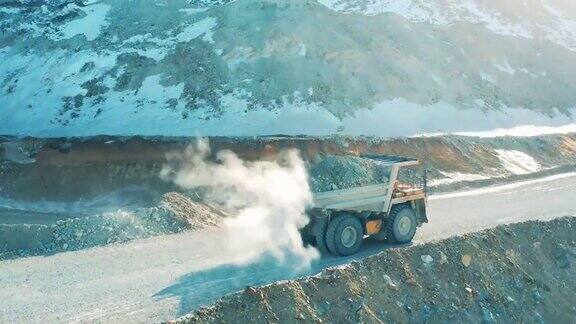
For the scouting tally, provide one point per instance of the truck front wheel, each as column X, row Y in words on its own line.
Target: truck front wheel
column 344, row 235
column 401, row 224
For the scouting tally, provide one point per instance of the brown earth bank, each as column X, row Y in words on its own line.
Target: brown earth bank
column 70, row 168
column 513, row 273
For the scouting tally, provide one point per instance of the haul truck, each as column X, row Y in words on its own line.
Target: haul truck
column 391, row 210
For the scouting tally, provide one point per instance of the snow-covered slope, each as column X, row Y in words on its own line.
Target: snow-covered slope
column 250, row 67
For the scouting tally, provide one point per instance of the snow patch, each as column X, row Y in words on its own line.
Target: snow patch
column 553, row 11
column 517, row 162
column 202, row 27
column 425, row 11
column 149, row 46
column 90, row 25
column 494, row 22
column 550, row 23
column 487, row 77
column 157, row 49
column 302, row 49
column 152, row 86
column 505, row 67
column 411, row 119
column 149, row 109
column 522, row 131
column 193, row 11
column 31, row 103
column 454, row 177
column 389, row 118
column 9, row 11
column 564, row 31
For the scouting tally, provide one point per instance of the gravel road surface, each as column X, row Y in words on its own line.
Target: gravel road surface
column 165, row 277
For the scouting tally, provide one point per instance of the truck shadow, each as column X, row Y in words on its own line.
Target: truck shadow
column 369, row 247
column 203, row 288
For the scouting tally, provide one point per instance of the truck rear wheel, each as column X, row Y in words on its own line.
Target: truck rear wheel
column 319, row 231
column 344, row 235
column 401, row 224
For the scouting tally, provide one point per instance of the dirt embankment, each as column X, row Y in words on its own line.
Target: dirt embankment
column 515, row 273
column 63, row 169
column 175, row 213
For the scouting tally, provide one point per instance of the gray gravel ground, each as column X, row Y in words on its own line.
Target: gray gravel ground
column 165, row 277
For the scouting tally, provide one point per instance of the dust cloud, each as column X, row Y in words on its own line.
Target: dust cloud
column 267, row 201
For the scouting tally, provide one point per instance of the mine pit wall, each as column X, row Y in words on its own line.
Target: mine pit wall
column 62, row 169
column 515, row 273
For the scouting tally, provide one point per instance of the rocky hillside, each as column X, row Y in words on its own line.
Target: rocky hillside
column 515, row 273
column 246, row 67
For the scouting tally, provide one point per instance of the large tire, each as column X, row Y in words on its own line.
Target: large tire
column 344, row 235
column 401, row 224
column 319, row 231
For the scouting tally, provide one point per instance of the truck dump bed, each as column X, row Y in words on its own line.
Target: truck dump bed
column 375, row 198
column 367, row 198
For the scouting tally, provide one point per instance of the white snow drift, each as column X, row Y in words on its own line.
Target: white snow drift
column 517, row 162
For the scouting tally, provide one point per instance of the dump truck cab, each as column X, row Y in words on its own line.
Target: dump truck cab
column 388, row 211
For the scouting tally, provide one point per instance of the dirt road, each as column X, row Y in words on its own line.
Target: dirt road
column 165, row 277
